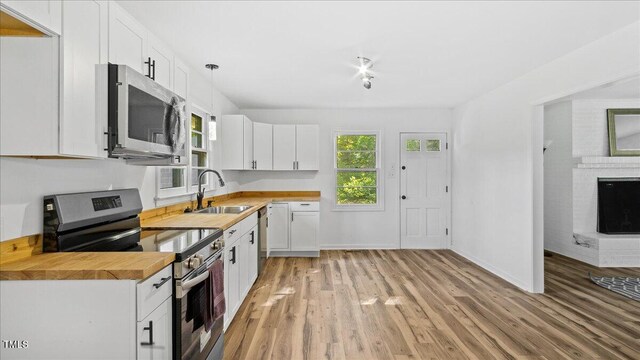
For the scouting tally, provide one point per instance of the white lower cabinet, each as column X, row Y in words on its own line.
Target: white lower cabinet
column 240, row 264
column 293, row 229
column 78, row 319
column 304, row 231
column 155, row 334
column 278, row 227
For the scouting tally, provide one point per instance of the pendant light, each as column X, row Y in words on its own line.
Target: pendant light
column 212, row 119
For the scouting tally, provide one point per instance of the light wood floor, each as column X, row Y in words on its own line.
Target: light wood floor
column 403, row 304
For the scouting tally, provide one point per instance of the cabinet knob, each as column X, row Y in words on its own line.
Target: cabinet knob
column 403, row 197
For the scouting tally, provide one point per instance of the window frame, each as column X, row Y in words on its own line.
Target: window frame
column 187, row 189
column 379, row 206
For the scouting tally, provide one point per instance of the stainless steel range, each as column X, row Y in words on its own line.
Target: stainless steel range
column 109, row 221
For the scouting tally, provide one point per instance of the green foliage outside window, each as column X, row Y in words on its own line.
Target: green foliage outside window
column 356, row 179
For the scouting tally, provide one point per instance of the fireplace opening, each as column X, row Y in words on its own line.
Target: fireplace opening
column 619, row 205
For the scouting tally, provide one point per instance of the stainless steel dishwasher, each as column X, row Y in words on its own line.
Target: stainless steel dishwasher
column 263, row 224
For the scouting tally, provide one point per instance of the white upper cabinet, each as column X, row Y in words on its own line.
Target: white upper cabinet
column 85, row 45
column 29, row 103
column 263, row 146
column 162, row 62
column 236, row 137
column 127, row 40
column 46, row 14
column 307, row 142
column 180, row 78
column 247, row 148
column 284, row 147
column 257, row 146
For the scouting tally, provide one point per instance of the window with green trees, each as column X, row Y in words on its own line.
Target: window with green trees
column 356, row 164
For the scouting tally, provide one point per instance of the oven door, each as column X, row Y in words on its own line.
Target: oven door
column 137, row 119
column 191, row 340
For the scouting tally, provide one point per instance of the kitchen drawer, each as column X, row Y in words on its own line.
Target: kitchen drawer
column 236, row 231
column 154, row 291
column 304, row 206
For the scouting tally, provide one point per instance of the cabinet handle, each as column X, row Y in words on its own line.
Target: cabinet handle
column 291, row 217
column 267, row 225
column 153, row 65
column 162, row 282
column 233, row 255
column 231, row 232
column 150, row 328
column 253, row 238
column 148, row 63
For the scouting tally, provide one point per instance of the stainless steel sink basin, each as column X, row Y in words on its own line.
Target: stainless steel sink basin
column 223, row 210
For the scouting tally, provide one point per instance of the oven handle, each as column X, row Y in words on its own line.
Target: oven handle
column 183, row 288
column 195, row 281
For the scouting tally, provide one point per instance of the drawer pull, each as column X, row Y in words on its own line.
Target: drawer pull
column 162, row 282
column 305, row 204
column 231, row 232
column 150, row 328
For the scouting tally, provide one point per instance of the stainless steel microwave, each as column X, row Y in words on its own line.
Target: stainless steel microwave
column 146, row 123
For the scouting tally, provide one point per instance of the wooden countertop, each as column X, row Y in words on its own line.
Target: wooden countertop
column 133, row 265
column 220, row 221
column 87, row 266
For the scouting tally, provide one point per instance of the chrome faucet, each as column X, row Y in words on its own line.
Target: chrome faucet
column 200, row 194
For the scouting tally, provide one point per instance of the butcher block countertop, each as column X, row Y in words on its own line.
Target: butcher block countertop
column 219, row 221
column 22, row 259
column 87, row 266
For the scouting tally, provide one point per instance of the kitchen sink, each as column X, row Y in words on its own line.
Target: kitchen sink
column 223, row 210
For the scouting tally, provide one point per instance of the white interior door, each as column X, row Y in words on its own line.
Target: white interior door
column 424, row 204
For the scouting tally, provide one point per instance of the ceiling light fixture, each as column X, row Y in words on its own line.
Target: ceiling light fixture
column 212, row 118
column 364, row 71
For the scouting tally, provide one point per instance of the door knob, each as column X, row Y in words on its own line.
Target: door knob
column 403, row 197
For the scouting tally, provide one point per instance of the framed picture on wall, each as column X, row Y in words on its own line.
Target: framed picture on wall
column 624, row 132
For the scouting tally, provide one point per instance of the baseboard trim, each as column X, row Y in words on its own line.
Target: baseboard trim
column 492, row 269
column 358, row 247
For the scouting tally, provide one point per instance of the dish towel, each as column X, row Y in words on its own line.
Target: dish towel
column 197, row 305
column 215, row 283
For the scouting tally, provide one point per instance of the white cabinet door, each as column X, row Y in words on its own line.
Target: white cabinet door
column 45, row 13
column 161, row 58
column 307, row 143
column 278, row 230
column 127, row 40
column 304, row 231
column 284, row 147
column 263, row 146
column 243, row 266
column 181, row 78
column 232, row 282
column 232, row 142
column 248, row 143
column 155, row 334
column 253, row 257
column 85, row 45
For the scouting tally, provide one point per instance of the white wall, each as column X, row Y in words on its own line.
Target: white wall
column 23, row 182
column 590, row 131
column 558, row 177
column 493, row 155
column 340, row 229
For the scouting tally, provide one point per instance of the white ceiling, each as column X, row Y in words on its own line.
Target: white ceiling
column 426, row 54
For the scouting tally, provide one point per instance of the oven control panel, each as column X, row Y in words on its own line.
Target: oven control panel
column 107, row 202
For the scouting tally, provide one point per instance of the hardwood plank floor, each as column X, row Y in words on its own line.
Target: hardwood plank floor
column 424, row 304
